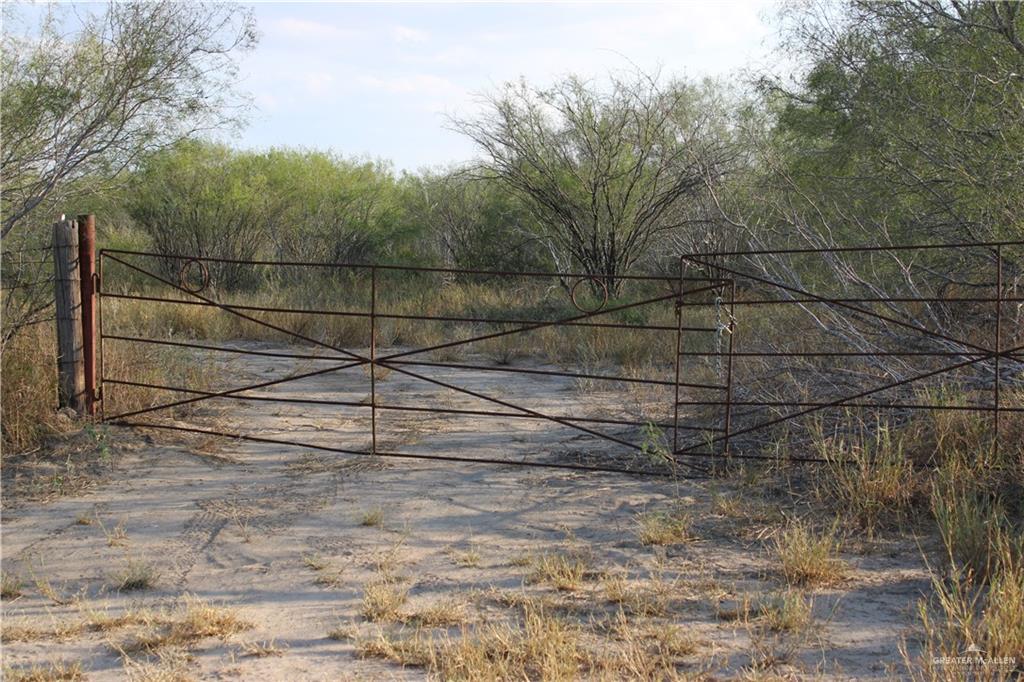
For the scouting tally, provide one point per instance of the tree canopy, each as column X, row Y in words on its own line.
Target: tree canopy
column 78, row 109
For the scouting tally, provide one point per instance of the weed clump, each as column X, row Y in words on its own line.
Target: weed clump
column 807, row 557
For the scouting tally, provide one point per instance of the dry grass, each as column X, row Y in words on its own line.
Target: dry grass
column 971, row 515
column 653, row 597
column 10, row 586
column 664, row 527
column 738, row 610
column 117, row 536
column 469, row 558
column 440, row 614
column 788, row 611
column 869, row 478
column 343, row 632
column 46, row 589
column 332, row 578
column 327, row 576
column 263, row 649
column 28, row 389
column 171, row 665
column 521, row 560
column 137, row 575
column 383, row 601
column 103, row 621
column 373, row 518
column 778, row 626
column 58, row 671
column 964, row 611
column 565, row 572
column 315, row 562
column 645, row 652
column 808, row 557
column 192, row 621
column 30, row 630
column 21, row 631
column 387, row 562
column 415, row 650
column 535, row 645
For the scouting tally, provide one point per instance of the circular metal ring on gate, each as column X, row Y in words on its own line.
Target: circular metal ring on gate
column 183, row 272
column 604, row 295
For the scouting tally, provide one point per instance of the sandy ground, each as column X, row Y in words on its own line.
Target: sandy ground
column 277, row 534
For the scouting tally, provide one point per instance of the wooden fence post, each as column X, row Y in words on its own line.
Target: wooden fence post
column 68, row 295
column 87, row 268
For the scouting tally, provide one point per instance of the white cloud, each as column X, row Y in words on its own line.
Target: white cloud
column 303, row 29
column 407, row 34
column 317, row 82
column 420, row 84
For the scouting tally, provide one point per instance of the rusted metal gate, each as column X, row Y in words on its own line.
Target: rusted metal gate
column 592, row 305
column 721, row 409
column 954, row 321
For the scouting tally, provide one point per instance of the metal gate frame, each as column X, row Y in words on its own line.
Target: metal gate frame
column 680, row 289
column 781, row 295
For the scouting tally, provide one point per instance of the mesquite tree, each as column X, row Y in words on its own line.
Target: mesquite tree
column 603, row 169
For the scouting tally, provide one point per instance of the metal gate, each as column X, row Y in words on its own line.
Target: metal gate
column 707, row 353
column 909, row 324
column 577, row 302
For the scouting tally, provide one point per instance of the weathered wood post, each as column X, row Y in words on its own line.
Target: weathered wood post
column 87, row 268
column 68, row 296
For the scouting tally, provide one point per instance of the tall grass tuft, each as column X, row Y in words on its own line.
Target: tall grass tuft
column 808, row 557
column 868, row 476
column 28, row 388
column 973, row 629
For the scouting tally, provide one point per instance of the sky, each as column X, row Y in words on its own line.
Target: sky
column 380, row 80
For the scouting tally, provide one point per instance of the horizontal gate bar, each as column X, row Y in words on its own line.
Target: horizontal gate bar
column 395, row 316
column 862, row 394
column 399, row 408
column 833, row 354
column 411, row 268
column 884, row 406
column 234, row 306
column 223, row 349
column 475, row 394
column 541, row 325
column 557, row 373
column 402, row 455
column 894, row 299
column 852, row 249
column 233, row 391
